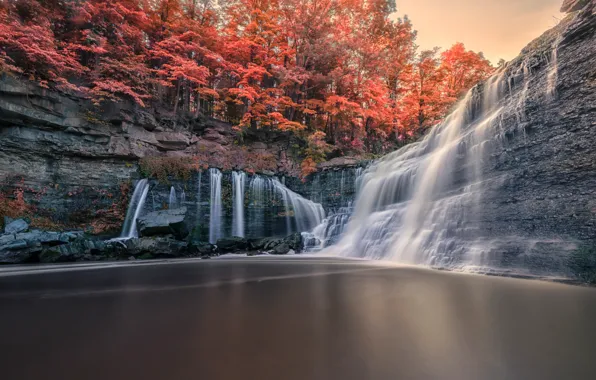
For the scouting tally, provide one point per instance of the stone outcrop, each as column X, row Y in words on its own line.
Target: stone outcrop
column 163, row 222
column 35, row 245
column 15, row 226
column 573, row 5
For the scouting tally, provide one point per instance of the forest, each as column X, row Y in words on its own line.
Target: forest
column 342, row 75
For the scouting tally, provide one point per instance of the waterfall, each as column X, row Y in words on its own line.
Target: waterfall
column 172, row 199
column 182, row 198
column 238, row 178
column 328, row 232
column 215, row 202
column 258, row 197
column 306, row 213
column 553, row 72
column 300, row 214
column 137, row 201
column 421, row 204
column 199, row 183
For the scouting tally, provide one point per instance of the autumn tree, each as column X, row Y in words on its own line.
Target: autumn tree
column 340, row 75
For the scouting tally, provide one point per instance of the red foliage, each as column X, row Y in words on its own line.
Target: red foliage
column 348, row 69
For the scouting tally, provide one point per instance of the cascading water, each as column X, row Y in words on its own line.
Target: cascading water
column 172, row 202
column 137, row 202
column 420, row 204
column 259, row 196
column 239, row 179
column 215, row 202
column 306, row 213
column 182, row 198
column 333, row 227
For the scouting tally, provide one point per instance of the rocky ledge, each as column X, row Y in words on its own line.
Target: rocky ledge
column 162, row 235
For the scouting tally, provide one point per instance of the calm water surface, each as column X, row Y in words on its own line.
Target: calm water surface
column 267, row 318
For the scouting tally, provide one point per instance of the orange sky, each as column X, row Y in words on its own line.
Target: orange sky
column 498, row 28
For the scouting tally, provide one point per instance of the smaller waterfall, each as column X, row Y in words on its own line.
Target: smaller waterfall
column 182, row 198
column 328, row 232
column 199, row 198
column 259, row 194
column 172, row 203
column 307, row 214
column 239, row 179
column 553, row 72
column 215, row 202
column 137, row 201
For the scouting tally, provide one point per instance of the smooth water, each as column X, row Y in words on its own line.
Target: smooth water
column 238, row 185
column 137, row 202
column 172, row 200
column 216, row 206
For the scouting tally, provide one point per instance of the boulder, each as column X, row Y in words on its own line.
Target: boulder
column 202, row 248
column 294, row 241
column 277, row 246
column 232, row 244
column 16, row 226
column 281, row 249
column 159, row 247
column 163, row 222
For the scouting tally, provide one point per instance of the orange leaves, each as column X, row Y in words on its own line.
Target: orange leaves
column 307, row 167
column 335, row 72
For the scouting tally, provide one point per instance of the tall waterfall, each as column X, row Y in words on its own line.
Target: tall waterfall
column 172, row 202
column 215, row 202
column 239, row 179
column 420, row 204
column 137, row 201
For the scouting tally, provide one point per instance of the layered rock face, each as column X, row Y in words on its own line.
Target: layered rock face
column 72, row 157
column 547, row 164
column 507, row 182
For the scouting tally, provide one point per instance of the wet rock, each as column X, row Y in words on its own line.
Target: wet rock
column 163, row 222
column 16, row 226
column 281, row 249
column 232, row 244
column 202, row 248
column 294, row 241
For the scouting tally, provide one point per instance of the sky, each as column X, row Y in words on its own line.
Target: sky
column 498, row 28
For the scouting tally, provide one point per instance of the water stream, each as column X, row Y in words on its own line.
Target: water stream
column 135, row 206
column 216, row 206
